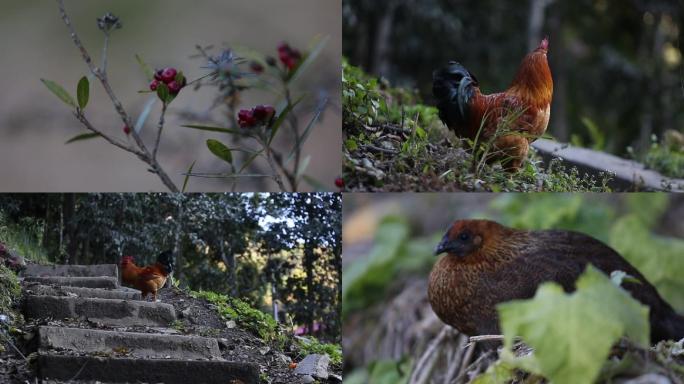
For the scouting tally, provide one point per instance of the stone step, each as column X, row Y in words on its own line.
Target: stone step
column 104, row 311
column 140, row 345
column 85, row 282
column 171, row 371
column 95, row 270
column 121, row 293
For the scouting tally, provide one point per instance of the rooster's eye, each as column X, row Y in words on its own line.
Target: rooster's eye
column 464, row 236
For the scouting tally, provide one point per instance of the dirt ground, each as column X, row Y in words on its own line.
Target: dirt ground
column 34, row 124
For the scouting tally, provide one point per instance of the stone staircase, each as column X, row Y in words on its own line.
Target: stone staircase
column 111, row 352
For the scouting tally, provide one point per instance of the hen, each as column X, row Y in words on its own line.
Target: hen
column 149, row 279
column 511, row 120
column 488, row 263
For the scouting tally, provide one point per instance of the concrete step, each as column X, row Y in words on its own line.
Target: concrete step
column 66, row 367
column 140, row 345
column 95, row 270
column 121, row 293
column 85, row 282
column 105, row 311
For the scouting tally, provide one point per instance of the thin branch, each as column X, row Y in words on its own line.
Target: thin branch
column 160, row 128
column 102, row 76
column 84, row 120
column 271, row 163
column 227, row 175
column 105, row 50
column 294, row 124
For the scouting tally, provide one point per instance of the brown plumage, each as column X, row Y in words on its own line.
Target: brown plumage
column 149, row 279
column 488, row 263
column 525, row 106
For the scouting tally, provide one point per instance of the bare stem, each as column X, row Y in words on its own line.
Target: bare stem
column 272, row 165
column 84, row 120
column 294, row 124
column 105, row 50
column 101, row 74
column 160, row 128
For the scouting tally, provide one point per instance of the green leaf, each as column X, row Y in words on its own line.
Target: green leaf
column 187, row 176
column 163, row 93
column 659, row 258
column 83, row 92
column 82, row 137
column 307, row 131
column 351, row 145
column 308, row 60
column 220, row 150
column 149, row 74
column 179, row 77
column 60, row 92
column 572, row 333
column 281, row 118
column 216, row 129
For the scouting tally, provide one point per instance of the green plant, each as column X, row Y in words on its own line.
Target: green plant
column 310, row 345
column 10, row 290
column 251, row 319
column 666, row 157
column 24, row 237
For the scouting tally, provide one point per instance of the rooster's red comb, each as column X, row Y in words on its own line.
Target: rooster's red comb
column 544, row 44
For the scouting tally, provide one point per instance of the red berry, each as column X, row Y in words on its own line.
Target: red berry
column 153, row 85
column 158, row 74
column 246, row 118
column 339, row 182
column 174, row 87
column 256, row 67
column 127, row 130
column 168, row 75
column 263, row 112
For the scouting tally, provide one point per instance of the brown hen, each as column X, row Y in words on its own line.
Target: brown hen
column 488, row 263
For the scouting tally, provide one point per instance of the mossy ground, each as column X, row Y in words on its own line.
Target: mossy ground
column 393, row 142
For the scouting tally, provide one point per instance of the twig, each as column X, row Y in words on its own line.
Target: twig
column 271, row 163
column 160, row 128
column 101, row 74
column 84, row 120
column 13, row 346
column 295, row 130
column 477, row 339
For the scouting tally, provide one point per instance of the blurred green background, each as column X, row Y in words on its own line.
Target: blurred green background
column 617, row 65
column 34, row 125
column 388, row 252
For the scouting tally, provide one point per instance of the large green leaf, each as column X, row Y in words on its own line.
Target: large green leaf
column 60, row 92
column 572, row 333
column 659, row 258
column 83, row 92
column 220, row 150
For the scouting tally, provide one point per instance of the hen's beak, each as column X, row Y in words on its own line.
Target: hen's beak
column 451, row 247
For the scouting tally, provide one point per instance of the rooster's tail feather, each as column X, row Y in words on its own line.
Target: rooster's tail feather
column 454, row 87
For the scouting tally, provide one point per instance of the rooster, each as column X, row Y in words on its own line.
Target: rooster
column 149, row 279
column 511, row 120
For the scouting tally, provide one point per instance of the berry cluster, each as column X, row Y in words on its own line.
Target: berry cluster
column 289, row 56
column 259, row 115
column 168, row 76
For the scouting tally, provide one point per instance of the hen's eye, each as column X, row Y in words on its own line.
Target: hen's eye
column 464, row 236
